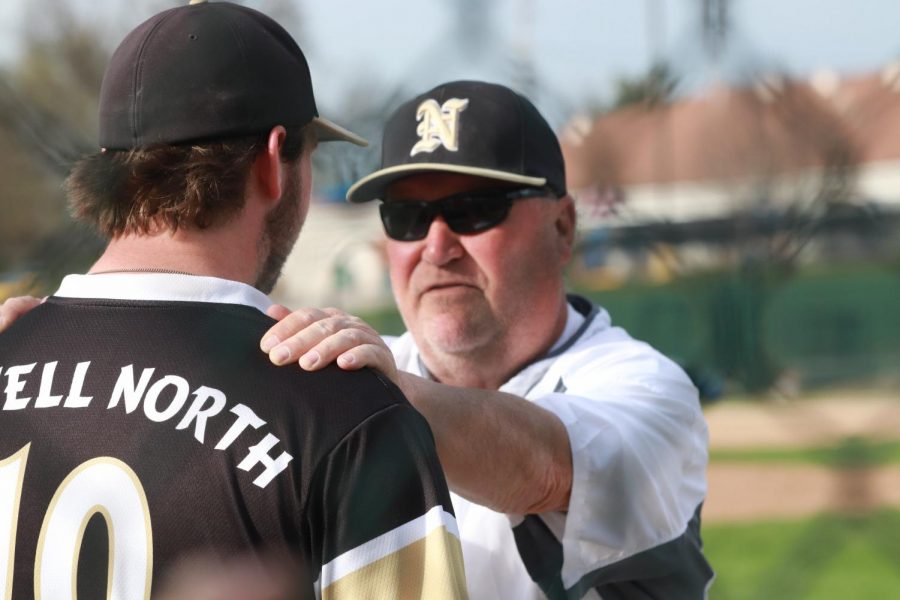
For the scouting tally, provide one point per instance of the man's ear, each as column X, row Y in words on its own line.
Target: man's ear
column 566, row 222
column 268, row 168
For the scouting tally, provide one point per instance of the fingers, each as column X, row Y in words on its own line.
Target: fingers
column 14, row 308
column 375, row 355
column 278, row 311
column 289, row 324
column 315, row 338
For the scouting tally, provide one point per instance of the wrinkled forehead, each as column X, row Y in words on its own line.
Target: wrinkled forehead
column 434, row 185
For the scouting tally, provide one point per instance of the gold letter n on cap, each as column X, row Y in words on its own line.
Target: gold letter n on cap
column 439, row 125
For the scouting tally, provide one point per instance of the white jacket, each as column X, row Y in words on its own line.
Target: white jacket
column 639, row 447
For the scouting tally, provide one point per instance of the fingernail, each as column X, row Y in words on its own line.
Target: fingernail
column 269, row 343
column 280, row 355
column 348, row 360
column 309, row 360
column 2, row 322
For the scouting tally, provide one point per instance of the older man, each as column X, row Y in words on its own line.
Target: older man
column 139, row 424
column 577, row 454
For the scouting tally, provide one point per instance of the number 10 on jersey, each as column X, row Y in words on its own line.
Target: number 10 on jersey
column 105, row 486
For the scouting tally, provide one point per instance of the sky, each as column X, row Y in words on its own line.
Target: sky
column 580, row 48
column 577, row 49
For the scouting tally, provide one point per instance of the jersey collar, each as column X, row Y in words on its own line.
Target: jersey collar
column 164, row 287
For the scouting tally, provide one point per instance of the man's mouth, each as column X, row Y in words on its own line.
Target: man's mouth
column 450, row 285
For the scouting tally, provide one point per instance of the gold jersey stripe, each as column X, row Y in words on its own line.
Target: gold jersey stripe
column 429, row 568
column 388, row 543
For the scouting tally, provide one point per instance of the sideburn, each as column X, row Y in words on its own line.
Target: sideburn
column 282, row 227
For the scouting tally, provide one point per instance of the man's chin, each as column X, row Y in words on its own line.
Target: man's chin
column 455, row 336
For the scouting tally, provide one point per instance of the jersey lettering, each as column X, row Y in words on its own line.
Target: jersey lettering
column 161, row 401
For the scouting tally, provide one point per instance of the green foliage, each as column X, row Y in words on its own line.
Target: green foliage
column 824, row 325
column 851, row 452
column 832, row 323
column 654, row 88
column 823, row 558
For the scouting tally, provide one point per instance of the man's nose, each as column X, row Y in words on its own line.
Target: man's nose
column 442, row 245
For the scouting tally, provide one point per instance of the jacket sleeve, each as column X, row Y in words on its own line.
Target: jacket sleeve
column 639, row 449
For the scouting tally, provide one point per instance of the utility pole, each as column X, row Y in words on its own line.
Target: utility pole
column 524, row 72
column 716, row 28
column 473, row 26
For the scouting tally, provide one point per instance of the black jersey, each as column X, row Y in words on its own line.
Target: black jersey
column 140, row 422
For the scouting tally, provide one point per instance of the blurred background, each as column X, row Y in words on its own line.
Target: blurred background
column 736, row 166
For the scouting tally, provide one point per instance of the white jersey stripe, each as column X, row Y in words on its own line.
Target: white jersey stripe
column 387, row 543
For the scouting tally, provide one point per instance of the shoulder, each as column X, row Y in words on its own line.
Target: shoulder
column 216, row 346
column 605, row 354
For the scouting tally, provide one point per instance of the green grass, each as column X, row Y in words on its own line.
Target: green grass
column 851, row 452
column 827, row 557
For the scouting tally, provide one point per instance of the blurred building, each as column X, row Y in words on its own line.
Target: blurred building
column 814, row 160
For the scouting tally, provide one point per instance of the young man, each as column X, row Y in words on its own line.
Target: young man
column 138, row 422
column 577, row 454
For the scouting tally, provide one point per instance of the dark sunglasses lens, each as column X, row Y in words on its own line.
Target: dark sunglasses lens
column 476, row 213
column 405, row 221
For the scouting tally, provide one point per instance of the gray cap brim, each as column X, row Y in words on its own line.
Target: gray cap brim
column 326, row 131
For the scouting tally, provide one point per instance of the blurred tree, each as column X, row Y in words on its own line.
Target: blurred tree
column 30, row 206
column 47, row 116
column 656, row 87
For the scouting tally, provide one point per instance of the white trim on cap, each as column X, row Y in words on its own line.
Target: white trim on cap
column 448, row 168
column 332, row 131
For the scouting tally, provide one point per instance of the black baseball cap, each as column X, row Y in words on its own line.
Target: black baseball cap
column 468, row 127
column 207, row 71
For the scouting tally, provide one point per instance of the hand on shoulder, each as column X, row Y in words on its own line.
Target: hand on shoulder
column 314, row 338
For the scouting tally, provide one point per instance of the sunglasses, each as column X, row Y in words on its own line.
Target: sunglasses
column 464, row 213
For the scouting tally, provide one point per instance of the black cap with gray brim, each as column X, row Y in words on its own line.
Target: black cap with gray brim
column 467, row 127
column 207, row 71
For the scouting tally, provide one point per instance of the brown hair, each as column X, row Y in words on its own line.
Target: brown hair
column 195, row 186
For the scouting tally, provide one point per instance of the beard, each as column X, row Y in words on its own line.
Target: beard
column 282, row 227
